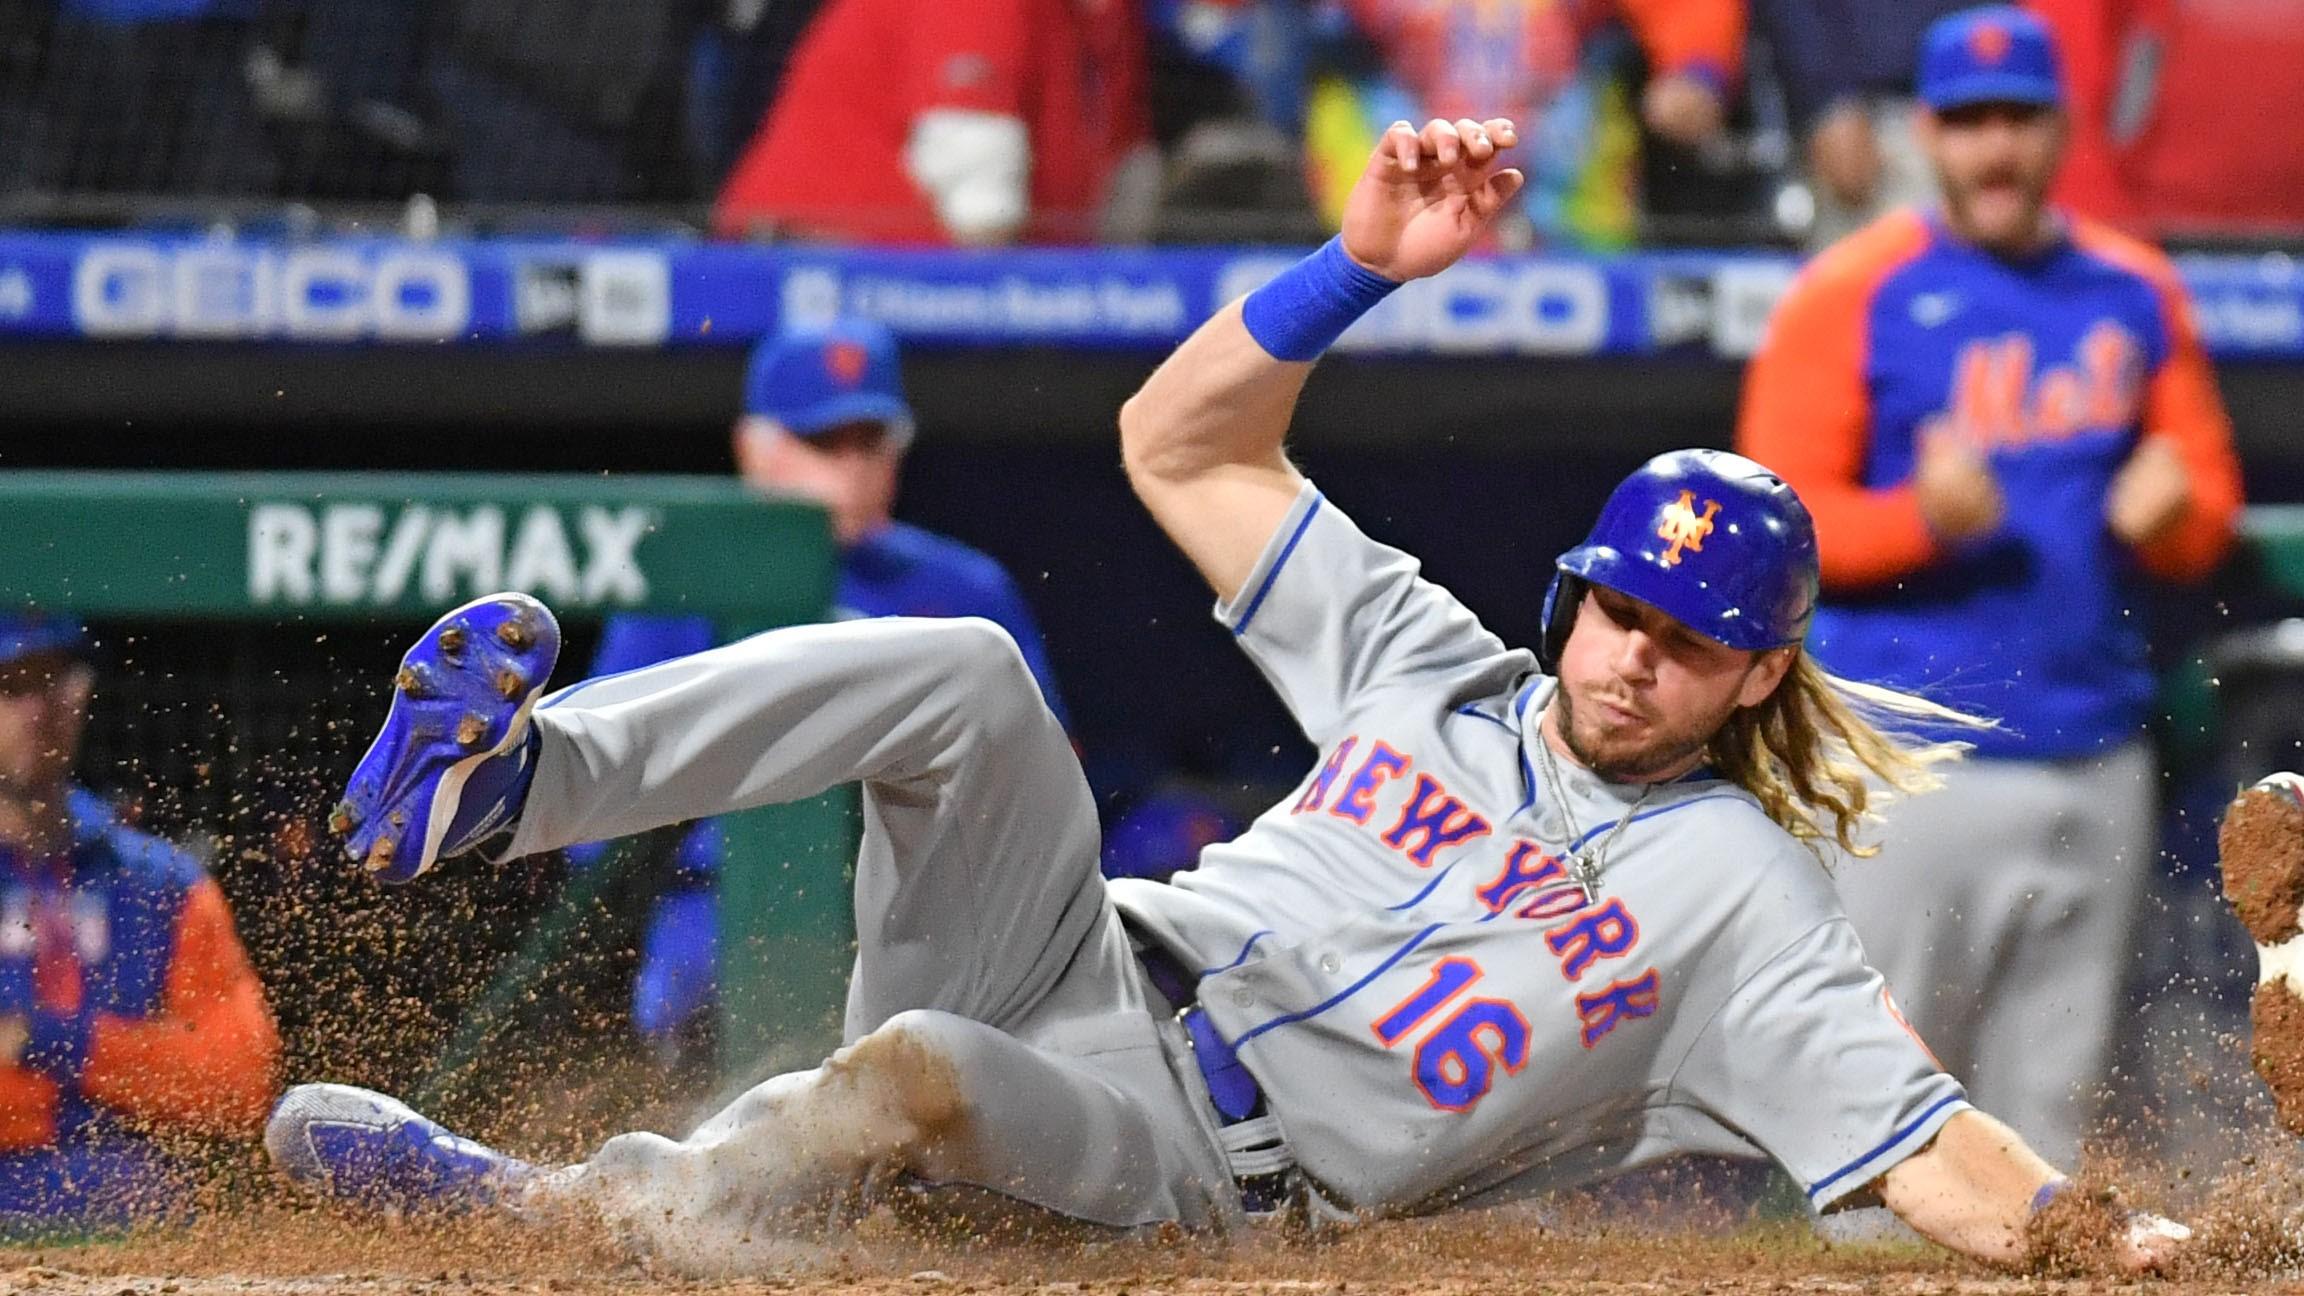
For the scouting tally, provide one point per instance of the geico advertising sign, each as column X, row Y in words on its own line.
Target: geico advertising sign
column 360, row 553
column 1478, row 307
column 319, row 293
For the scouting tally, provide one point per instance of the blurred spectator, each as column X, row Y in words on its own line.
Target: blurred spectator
column 565, row 100
column 2192, row 113
column 824, row 418
column 1847, row 71
column 735, row 67
column 340, row 83
column 128, row 1008
column 130, row 97
column 1267, row 47
column 980, row 123
column 2110, row 50
column 1228, row 84
column 1536, row 62
column 2003, row 421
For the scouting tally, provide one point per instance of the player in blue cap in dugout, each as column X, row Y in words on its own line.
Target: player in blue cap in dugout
column 129, row 1012
column 824, row 418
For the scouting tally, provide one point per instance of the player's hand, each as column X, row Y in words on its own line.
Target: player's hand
column 2152, row 1242
column 2148, row 493
column 1682, row 108
column 1427, row 194
column 1844, row 157
column 1959, row 497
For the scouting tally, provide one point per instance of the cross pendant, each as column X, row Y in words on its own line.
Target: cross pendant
column 1584, row 871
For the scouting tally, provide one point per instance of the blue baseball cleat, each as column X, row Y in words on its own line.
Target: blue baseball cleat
column 452, row 765
column 363, row 1147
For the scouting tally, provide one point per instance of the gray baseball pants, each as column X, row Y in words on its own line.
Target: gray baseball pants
column 2002, row 910
column 1000, row 1032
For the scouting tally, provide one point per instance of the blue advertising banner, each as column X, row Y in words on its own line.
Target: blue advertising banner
column 622, row 294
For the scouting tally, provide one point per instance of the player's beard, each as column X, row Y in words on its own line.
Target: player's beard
column 32, row 810
column 1661, row 754
column 32, row 763
column 2002, row 208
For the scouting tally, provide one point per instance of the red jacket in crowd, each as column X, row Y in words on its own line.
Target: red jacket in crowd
column 2188, row 115
column 828, row 161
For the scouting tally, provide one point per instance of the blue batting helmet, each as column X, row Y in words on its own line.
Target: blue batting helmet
column 1716, row 541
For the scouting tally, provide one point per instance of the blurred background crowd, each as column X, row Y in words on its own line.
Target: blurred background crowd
column 1656, row 122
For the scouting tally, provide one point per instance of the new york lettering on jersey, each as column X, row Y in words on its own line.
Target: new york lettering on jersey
column 2049, row 358
column 1531, row 885
column 1404, row 960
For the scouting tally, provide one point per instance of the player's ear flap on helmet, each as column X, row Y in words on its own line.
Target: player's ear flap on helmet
column 1559, row 617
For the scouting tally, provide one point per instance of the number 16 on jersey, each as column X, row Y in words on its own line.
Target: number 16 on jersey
column 1456, row 1058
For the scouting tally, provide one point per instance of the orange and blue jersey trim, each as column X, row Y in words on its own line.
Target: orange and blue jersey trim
column 169, row 1026
column 1807, row 411
column 2055, row 367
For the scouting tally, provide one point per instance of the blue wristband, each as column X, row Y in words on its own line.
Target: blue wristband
column 1308, row 306
column 2048, row 1194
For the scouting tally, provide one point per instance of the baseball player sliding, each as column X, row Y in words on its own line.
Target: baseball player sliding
column 1533, row 918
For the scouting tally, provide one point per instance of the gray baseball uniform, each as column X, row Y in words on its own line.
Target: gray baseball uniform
column 1435, row 1011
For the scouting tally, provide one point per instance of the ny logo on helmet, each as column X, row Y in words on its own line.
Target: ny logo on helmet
column 1684, row 527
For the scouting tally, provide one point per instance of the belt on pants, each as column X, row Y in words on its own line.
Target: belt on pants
column 1258, row 1156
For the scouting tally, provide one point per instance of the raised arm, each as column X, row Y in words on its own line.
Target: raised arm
column 1202, row 440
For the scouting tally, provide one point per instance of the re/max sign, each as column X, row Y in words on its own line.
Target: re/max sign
column 364, row 553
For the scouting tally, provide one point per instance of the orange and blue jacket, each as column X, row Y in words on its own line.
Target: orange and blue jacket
column 2056, row 366
column 144, row 1014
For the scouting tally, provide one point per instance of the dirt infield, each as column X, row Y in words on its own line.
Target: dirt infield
column 277, row 1251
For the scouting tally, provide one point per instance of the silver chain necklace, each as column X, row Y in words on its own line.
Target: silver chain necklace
column 1586, row 864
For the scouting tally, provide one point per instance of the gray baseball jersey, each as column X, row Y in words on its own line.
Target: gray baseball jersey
column 1437, row 1012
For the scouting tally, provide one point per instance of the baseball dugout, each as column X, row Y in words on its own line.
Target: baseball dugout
column 248, row 624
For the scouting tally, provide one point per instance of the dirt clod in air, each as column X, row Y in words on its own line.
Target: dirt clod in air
column 2261, row 843
column 2277, row 1018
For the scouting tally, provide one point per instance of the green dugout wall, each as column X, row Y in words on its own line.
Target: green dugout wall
column 311, row 548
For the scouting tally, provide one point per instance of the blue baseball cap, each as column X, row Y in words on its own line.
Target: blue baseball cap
column 1997, row 54
column 812, row 379
column 31, row 634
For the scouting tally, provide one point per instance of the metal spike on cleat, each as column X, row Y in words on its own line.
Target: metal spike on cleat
column 509, row 683
column 344, row 818
column 471, row 729
column 413, row 682
column 518, row 632
column 452, row 642
column 380, row 855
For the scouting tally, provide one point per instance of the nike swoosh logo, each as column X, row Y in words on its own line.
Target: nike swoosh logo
column 1932, row 309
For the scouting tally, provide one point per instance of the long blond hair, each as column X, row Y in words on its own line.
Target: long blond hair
column 1823, row 753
